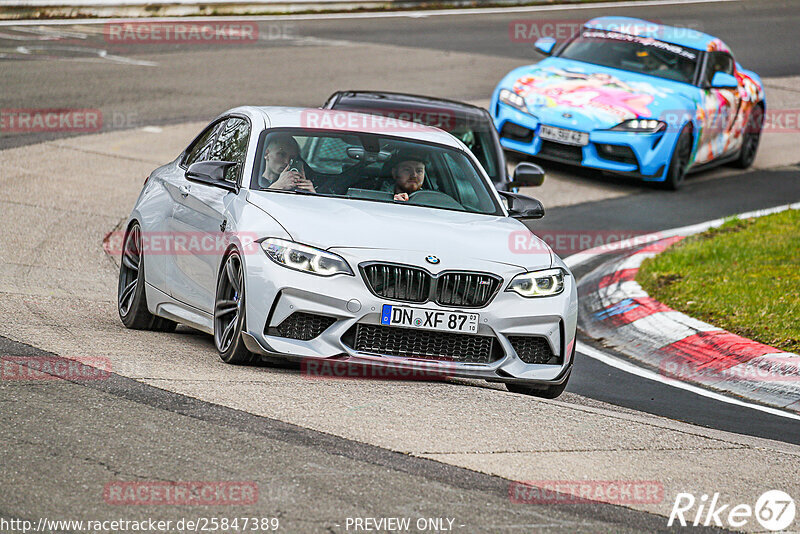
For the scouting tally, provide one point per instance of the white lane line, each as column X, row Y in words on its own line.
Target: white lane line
column 54, row 34
column 100, row 53
column 648, row 374
column 379, row 15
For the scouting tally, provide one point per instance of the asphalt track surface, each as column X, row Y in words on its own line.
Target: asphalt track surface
column 122, row 422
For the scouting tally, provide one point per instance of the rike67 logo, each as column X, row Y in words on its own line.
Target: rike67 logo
column 774, row 510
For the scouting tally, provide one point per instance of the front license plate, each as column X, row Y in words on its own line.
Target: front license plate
column 448, row 321
column 568, row 137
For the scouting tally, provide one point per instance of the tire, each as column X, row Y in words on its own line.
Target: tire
column 680, row 160
column 752, row 136
column 229, row 313
column 131, row 297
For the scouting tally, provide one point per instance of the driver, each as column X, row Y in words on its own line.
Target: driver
column 408, row 171
column 281, row 150
column 650, row 62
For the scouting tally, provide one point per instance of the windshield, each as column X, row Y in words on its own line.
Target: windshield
column 472, row 129
column 371, row 167
column 481, row 143
column 632, row 53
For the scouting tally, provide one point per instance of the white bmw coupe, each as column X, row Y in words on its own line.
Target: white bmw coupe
column 313, row 235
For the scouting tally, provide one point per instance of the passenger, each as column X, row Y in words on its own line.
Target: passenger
column 408, row 171
column 280, row 152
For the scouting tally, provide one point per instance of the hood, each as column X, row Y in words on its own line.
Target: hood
column 458, row 239
column 595, row 97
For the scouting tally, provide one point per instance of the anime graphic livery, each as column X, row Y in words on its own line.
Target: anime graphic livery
column 633, row 97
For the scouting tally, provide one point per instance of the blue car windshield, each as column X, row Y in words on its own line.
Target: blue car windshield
column 642, row 55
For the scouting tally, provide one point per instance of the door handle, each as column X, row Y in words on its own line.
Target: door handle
column 184, row 189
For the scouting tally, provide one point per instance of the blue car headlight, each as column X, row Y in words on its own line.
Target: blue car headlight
column 544, row 283
column 513, row 99
column 641, row 126
column 304, row 258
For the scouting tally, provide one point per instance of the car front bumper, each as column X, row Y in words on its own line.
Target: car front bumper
column 274, row 293
column 645, row 156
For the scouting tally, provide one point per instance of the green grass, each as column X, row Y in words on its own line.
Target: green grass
column 743, row 276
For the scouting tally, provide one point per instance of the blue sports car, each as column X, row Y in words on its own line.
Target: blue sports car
column 633, row 97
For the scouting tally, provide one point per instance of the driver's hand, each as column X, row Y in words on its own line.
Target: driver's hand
column 401, row 196
column 290, row 180
column 305, row 185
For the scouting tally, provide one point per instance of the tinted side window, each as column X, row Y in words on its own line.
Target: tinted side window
column 200, row 149
column 718, row 62
column 231, row 145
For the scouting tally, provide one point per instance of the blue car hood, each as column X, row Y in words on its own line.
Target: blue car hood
column 583, row 96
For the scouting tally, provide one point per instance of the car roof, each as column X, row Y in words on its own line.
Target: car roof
column 377, row 99
column 348, row 121
column 686, row 37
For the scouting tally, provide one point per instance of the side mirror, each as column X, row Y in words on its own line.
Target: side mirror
column 212, row 173
column 527, row 175
column 545, row 45
column 723, row 80
column 523, row 207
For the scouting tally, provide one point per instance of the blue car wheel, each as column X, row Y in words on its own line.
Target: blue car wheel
column 680, row 160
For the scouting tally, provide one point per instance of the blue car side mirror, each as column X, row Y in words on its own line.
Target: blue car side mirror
column 545, row 45
column 723, row 80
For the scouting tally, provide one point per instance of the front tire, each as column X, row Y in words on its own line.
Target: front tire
column 752, row 136
column 229, row 313
column 680, row 160
column 131, row 297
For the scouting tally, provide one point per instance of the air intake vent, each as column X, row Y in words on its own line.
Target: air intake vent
column 534, row 349
column 303, row 326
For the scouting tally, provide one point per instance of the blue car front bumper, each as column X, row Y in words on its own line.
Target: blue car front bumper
column 641, row 155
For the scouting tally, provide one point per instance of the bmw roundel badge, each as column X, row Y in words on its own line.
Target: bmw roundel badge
column 432, row 259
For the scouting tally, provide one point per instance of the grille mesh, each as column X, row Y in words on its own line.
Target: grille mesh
column 533, row 349
column 398, row 282
column 411, row 343
column 465, row 289
column 304, row 326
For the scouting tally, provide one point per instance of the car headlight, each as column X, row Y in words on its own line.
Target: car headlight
column 303, row 258
column 513, row 99
column 640, row 125
column 538, row 283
